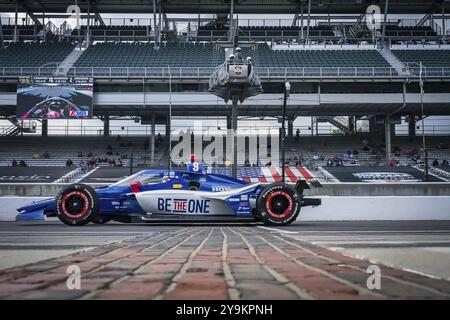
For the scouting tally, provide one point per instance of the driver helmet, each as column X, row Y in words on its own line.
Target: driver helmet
column 193, row 157
column 238, row 49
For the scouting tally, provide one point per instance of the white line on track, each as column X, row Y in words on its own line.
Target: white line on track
column 76, row 232
column 352, row 231
column 278, row 230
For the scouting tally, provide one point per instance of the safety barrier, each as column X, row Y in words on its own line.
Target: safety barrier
column 333, row 189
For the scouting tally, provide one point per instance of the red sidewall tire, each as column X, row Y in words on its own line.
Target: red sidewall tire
column 76, row 205
column 278, row 204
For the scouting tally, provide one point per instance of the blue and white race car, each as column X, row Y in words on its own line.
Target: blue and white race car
column 151, row 194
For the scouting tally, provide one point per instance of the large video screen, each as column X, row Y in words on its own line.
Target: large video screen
column 54, row 98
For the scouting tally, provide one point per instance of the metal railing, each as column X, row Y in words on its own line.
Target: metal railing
column 27, row 71
column 206, row 72
column 265, row 35
column 414, row 69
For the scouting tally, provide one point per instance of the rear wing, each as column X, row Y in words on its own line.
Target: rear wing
column 303, row 185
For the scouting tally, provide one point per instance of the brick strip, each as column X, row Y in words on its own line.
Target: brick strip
column 278, row 276
column 214, row 263
column 29, row 282
column 395, row 282
column 141, row 282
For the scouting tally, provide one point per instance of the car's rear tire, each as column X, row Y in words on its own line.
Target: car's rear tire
column 278, row 204
column 77, row 205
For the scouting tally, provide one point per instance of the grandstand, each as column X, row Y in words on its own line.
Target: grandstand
column 145, row 55
column 55, row 151
column 153, row 67
column 31, row 56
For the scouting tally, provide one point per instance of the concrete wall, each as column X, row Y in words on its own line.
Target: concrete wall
column 360, row 189
column 340, row 201
column 329, row 189
column 378, row 208
column 332, row 208
column 205, row 99
column 8, row 206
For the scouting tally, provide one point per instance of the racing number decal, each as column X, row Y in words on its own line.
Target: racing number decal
column 195, row 167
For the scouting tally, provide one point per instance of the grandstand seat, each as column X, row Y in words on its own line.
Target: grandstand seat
column 436, row 62
column 34, row 55
column 139, row 55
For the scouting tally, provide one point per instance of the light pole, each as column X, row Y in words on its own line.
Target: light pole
column 170, row 119
column 287, row 88
column 424, row 147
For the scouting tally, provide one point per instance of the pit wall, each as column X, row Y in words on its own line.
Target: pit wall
column 340, row 201
column 338, row 189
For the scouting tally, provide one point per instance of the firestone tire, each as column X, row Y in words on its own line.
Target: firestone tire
column 76, row 205
column 278, row 204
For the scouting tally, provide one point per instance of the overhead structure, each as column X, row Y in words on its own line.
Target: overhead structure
column 235, row 81
column 242, row 6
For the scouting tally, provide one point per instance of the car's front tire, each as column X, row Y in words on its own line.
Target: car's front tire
column 278, row 204
column 77, row 204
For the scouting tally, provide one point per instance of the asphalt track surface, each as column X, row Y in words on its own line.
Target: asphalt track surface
column 309, row 260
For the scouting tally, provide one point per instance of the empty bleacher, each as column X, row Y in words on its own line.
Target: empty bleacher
column 409, row 32
column 265, row 33
column 115, row 33
column 31, row 56
column 330, row 147
column 435, row 62
column 429, row 58
column 324, row 62
column 24, row 32
column 60, row 149
column 104, row 56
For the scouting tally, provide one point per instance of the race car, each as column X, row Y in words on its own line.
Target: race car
column 156, row 194
column 55, row 108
